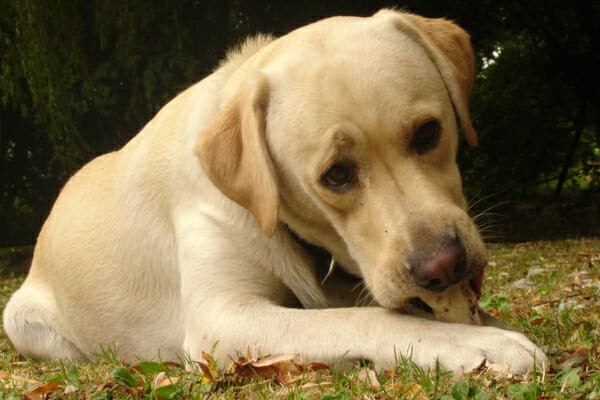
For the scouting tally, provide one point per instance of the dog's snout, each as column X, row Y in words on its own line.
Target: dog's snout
column 443, row 268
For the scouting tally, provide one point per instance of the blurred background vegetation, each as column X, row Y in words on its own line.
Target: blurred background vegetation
column 80, row 78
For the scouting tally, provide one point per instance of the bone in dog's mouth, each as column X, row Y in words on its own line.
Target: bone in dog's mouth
column 458, row 303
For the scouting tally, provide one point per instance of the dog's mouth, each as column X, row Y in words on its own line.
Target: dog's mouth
column 476, row 283
column 419, row 305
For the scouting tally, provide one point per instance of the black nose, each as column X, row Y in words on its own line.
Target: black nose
column 442, row 267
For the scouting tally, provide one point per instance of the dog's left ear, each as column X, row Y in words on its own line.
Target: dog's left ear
column 449, row 47
column 233, row 153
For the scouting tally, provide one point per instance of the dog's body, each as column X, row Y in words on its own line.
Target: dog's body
column 341, row 133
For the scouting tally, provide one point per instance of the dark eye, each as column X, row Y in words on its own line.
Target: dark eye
column 426, row 137
column 340, row 177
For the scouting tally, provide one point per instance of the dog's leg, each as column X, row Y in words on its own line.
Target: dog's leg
column 346, row 335
column 234, row 297
column 28, row 319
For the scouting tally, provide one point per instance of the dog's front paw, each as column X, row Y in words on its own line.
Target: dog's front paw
column 476, row 345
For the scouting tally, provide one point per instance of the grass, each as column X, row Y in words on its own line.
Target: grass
column 550, row 290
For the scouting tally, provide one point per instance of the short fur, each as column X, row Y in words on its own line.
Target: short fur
column 196, row 232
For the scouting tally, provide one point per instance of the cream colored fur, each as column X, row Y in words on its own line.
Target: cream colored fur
column 182, row 238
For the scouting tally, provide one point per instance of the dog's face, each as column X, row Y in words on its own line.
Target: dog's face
column 354, row 149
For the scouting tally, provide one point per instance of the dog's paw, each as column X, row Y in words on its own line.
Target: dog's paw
column 475, row 346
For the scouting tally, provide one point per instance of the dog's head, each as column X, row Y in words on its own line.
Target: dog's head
column 346, row 131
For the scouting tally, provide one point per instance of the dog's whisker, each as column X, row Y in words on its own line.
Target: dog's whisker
column 477, row 198
column 487, row 212
column 488, row 221
column 364, row 297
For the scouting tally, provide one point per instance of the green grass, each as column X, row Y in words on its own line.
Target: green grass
column 550, row 290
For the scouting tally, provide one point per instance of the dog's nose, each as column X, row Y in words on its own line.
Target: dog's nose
column 446, row 267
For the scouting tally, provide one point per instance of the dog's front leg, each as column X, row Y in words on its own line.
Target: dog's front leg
column 345, row 335
column 232, row 297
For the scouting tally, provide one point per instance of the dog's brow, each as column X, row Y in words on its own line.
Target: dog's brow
column 341, row 139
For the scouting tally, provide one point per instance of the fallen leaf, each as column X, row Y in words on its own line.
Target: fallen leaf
column 284, row 369
column 207, row 372
column 536, row 321
column 536, row 271
column 119, row 387
column 245, row 369
column 368, row 377
column 407, row 390
column 314, row 385
column 500, row 372
column 272, row 360
column 311, row 367
column 208, row 358
column 42, row 392
column 522, row 284
column 71, row 389
column 162, row 379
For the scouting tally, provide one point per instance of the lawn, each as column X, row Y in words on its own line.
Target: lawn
column 550, row 290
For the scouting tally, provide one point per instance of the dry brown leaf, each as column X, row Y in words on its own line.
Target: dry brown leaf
column 536, row 321
column 314, row 385
column 369, row 378
column 272, row 360
column 407, row 390
column 500, row 372
column 207, row 372
column 42, row 392
column 311, row 367
column 245, row 369
column 208, row 358
column 160, row 380
column 252, row 353
column 282, row 368
column 71, row 389
column 119, row 387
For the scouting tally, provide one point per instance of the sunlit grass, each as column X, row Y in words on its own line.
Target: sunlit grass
column 549, row 290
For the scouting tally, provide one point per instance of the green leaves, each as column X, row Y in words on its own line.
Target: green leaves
column 462, row 390
column 124, row 376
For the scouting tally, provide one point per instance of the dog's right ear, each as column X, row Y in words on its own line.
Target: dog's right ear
column 233, row 153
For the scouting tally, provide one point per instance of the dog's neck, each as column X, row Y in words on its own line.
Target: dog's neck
column 323, row 260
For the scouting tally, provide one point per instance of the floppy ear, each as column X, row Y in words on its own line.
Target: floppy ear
column 233, row 153
column 449, row 47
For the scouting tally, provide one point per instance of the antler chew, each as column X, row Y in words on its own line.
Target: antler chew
column 457, row 304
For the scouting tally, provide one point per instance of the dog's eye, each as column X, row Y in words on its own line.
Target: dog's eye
column 426, row 137
column 340, row 177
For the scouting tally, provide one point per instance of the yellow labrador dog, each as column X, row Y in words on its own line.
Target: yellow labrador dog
column 340, row 139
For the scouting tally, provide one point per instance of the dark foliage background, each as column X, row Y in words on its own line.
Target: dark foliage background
column 80, row 78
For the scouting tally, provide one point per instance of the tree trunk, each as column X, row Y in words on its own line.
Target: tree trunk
column 571, row 154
